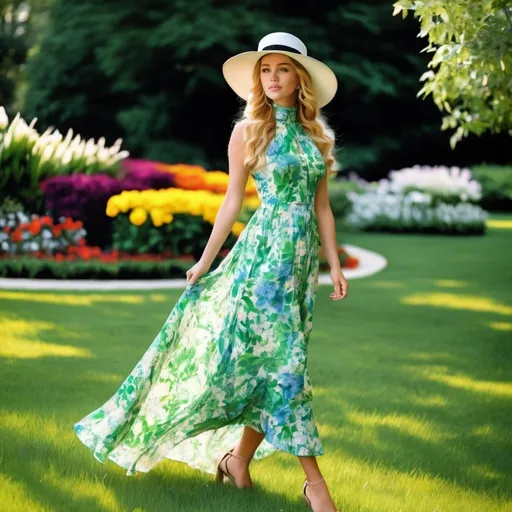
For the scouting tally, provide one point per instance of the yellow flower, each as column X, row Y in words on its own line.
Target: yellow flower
column 252, row 202
column 138, row 216
column 237, row 228
column 112, row 209
column 157, row 216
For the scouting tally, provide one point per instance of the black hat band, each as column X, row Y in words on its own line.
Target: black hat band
column 280, row 47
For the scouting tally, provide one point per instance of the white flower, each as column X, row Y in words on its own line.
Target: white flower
column 301, row 248
column 411, row 208
column 241, row 315
column 259, row 349
column 4, row 120
column 436, row 180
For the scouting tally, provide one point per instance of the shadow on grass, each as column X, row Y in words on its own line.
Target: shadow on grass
column 61, row 474
column 421, row 388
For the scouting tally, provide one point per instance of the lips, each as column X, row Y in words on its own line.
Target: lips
column 274, row 88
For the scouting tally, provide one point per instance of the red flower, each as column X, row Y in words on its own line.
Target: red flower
column 70, row 224
column 6, row 229
column 59, row 257
column 351, row 262
column 85, row 253
column 35, row 226
column 16, row 235
column 46, row 221
column 57, row 230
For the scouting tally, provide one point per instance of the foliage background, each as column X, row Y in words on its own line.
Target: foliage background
column 151, row 73
column 470, row 75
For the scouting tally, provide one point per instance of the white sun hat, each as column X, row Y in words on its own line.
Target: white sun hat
column 238, row 69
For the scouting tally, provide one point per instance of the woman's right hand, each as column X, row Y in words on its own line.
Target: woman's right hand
column 195, row 272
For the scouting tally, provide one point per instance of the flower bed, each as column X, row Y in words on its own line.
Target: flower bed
column 85, row 198
column 174, row 220
column 420, row 199
column 38, row 247
column 27, row 158
column 446, row 184
column 346, row 260
column 92, row 263
column 195, row 177
column 22, row 235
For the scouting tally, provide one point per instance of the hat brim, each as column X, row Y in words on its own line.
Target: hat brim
column 238, row 71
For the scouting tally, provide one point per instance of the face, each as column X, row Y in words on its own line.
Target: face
column 279, row 79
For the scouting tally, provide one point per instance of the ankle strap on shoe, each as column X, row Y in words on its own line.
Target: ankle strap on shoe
column 240, row 457
column 314, row 483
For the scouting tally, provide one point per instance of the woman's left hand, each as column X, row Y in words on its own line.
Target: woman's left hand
column 340, row 284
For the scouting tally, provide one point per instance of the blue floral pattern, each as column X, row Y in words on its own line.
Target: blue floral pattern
column 233, row 350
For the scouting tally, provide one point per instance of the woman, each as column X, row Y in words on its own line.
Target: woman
column 226, row 378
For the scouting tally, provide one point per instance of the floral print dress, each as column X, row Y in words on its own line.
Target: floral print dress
column 233, row 350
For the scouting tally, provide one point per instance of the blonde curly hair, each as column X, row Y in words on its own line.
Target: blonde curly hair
column 259, row 123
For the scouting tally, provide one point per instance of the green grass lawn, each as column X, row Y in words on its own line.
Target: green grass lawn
column 411, row 375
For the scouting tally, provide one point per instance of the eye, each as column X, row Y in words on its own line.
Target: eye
column 263, row 70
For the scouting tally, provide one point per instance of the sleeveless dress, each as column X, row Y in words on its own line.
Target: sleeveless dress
column 233, row 350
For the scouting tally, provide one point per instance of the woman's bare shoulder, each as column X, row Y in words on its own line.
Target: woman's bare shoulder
column 240, row 124
column 238, row 133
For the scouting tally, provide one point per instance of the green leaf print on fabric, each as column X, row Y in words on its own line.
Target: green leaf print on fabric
column 233, row 350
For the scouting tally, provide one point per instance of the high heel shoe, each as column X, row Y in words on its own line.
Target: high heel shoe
column 307, row 501
column 221, row 473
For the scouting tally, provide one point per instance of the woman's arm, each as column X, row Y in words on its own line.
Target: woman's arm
column 327, row 233
column 230, row 207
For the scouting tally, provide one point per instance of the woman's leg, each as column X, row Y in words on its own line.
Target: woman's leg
column 246, row 448
column 248, row 443
column 318, row 493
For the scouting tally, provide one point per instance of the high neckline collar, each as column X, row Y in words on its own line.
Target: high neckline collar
column 285, row 114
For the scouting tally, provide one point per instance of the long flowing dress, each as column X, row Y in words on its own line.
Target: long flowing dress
column 233, row 350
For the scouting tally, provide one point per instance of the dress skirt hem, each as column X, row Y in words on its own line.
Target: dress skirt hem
column 267, row 447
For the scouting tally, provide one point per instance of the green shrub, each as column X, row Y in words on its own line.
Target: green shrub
column 338, row 189
column 33, row 268
column 186, row 234
column 496, row 184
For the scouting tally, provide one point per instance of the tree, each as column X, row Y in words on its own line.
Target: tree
column 21, row 25
column 13, row 49
column 471, row 69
